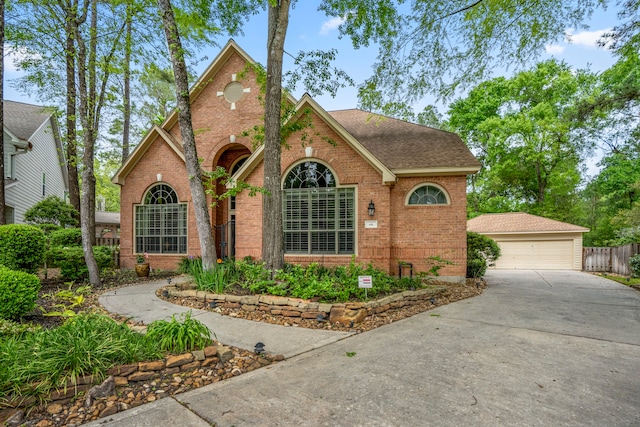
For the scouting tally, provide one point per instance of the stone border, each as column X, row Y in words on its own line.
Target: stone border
column 122, row 375
column 348, row 314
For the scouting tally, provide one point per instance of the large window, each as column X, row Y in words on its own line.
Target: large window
column 319, row 218
column 428, row 195
column 161, row 222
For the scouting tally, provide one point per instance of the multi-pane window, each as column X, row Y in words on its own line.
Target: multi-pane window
column 428, row 195
column 161, row 222
column 318, row 217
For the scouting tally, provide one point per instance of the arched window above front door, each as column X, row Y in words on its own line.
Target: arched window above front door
column 161, row 222
column 319, row 217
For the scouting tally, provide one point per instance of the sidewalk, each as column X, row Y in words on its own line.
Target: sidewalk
column 140, row 302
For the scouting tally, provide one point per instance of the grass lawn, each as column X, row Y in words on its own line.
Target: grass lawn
column 633, row 281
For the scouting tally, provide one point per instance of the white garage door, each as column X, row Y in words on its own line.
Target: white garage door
column 536, row 254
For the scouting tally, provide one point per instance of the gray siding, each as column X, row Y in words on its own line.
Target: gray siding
column 30, row 167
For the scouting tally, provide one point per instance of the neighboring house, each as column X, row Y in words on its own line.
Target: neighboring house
column 34, row 162
column 107, row 224
column 412, row 177
column 532, row 242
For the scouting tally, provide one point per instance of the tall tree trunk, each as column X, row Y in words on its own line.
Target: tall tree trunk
column 3, row 201
column 71, row 151
column 127, row 83
column 272, row 232
column 87, row 71
column 203, row 224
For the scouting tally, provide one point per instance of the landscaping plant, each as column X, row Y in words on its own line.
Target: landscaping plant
column 179, row 336
column 88, row 344
column 481, row 251
column 21, row 247
column 18, row 293
column 634, row 265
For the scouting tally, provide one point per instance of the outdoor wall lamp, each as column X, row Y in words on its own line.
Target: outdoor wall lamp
column 372, row 208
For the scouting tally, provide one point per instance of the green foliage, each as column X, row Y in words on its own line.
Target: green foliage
column 520, row 129
column 66, row 237
column 338, row 284
column 18, row 293
column 88, row 344
column 52, row 210
column 215, row 279
column 21, row 247
column 67, row 300
column 481, row 251
column 179, row 336
column 70, row 260
column 10, row 328
column 187, row 264
column 634, row 264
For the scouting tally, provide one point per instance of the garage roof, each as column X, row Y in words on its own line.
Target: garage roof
column 519, row 222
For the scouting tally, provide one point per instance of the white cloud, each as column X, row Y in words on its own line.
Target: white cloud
column 331, row 25
column 585, row 38
column 554, row 49
column 10, row 57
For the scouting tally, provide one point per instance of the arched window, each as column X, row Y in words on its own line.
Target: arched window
column 319, row 217
column 428, row 195
column 161, row 222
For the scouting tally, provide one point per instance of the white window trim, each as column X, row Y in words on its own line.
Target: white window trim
column 431, row 184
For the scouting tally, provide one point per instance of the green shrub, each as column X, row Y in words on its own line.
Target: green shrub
column 66, row 237
column 481, row 251
column 70, row 260
column 48, row 228
column 18, row 293
column 12, row 328
column 634, row 265
column 22, row 247
column 179, row 336
column 52, row 210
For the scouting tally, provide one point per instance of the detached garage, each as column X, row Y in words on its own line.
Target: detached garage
column 532, row 242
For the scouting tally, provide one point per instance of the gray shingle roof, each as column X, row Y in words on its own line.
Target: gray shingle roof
column 519, row 222
column 403, row 145
column 23, row 120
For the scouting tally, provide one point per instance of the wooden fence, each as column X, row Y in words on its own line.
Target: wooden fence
column 609, row 260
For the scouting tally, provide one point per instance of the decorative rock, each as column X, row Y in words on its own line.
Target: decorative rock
column 15, row 419
column 278, row 357
column 210, row 361
column 346, row 316
column 109, row 410
column 236, row 371
column 171, row 371
column 248, row 307
column 123, row 370
column 120, row 381
column 141, row 376
column 290, row 313
column 225, row 354
column 210, row 351
column 156, row 365
column 54, row 408
column 189, row 366
column 310, row 314
column 198, row 355
column 232, row 305
column 179, row 360
column 324, row 307
column 107, row 388
column 44, row 423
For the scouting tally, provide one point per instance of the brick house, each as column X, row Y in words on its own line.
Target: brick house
column 348, row 161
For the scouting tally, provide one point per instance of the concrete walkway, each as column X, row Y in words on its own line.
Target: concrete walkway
column 141, row 303
column 538, row 348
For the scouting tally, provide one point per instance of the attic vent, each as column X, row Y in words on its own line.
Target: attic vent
column 233, row 92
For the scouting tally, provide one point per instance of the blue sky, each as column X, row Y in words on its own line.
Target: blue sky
column 311, row 29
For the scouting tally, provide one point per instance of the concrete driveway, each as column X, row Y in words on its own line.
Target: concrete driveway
column 538, row 348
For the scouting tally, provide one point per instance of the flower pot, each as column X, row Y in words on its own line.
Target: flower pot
column 142, row 270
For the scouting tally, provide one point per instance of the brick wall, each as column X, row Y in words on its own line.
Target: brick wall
column 403, row 233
